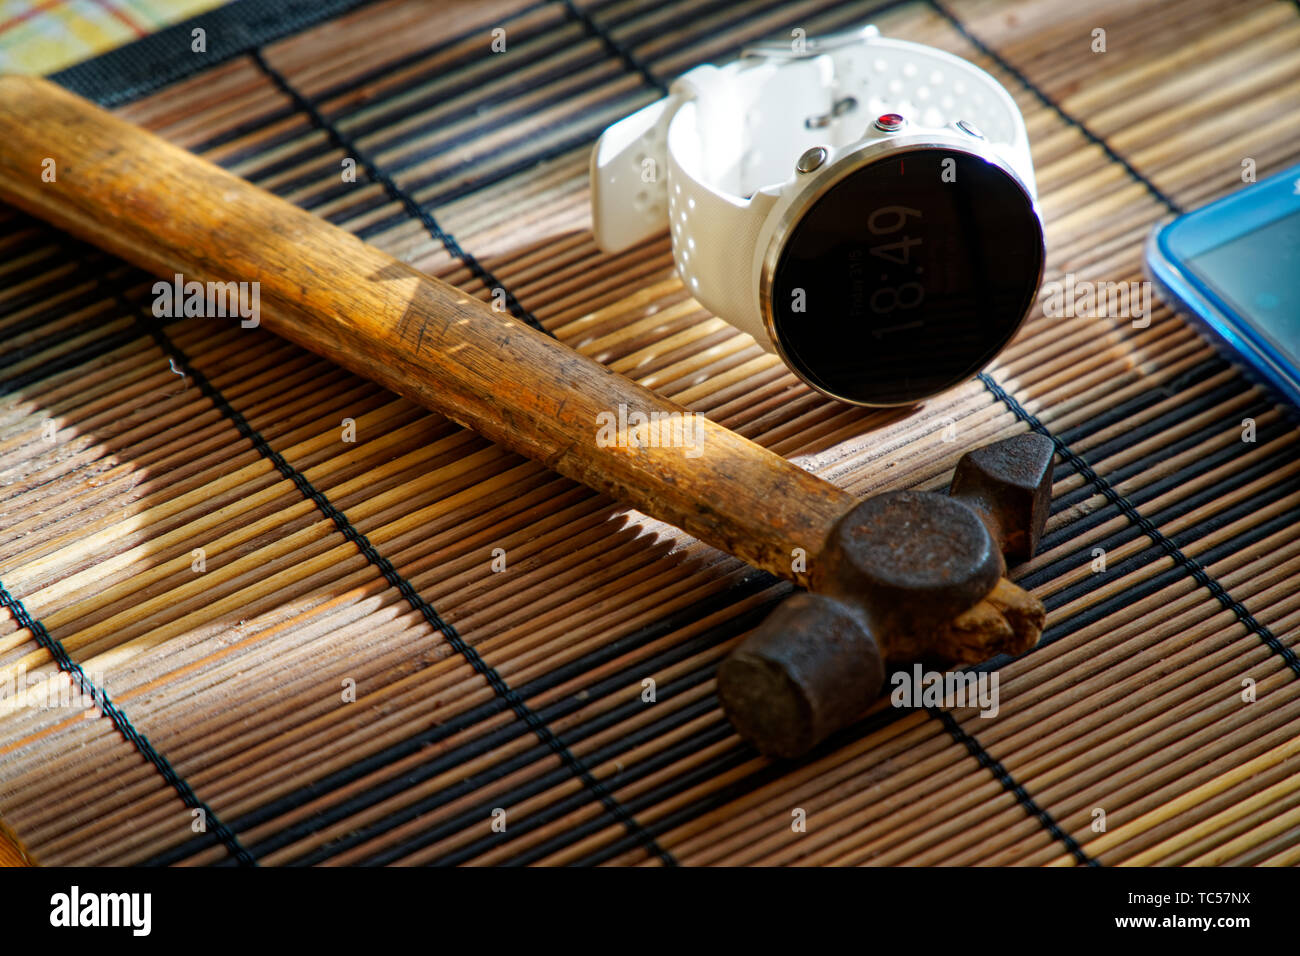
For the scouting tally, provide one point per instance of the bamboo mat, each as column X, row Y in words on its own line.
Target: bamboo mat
column 500, row 716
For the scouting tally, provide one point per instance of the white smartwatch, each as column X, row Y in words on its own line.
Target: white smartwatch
column 863, row 207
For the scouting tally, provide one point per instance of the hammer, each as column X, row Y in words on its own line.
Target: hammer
column 899, row 576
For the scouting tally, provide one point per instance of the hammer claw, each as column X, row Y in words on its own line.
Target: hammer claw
column 1009, row 484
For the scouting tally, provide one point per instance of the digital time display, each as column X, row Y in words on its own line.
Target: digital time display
column 906, row 277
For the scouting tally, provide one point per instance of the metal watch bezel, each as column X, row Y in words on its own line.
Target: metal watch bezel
column 813, row 187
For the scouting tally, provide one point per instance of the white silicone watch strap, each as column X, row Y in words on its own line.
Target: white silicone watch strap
column 708, row 160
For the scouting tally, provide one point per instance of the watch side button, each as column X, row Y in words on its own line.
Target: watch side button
column 811, row 160
column 969, row 128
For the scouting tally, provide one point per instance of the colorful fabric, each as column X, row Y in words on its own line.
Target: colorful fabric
column 42, row 36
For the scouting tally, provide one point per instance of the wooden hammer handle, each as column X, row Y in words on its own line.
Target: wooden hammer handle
column 164, row 209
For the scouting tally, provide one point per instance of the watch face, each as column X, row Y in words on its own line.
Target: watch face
column 906, row 276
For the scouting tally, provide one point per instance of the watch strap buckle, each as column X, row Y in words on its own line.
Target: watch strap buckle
column 802, row 47
column 806, row 48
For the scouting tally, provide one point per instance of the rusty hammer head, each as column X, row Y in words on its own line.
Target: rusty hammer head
column 904, row 574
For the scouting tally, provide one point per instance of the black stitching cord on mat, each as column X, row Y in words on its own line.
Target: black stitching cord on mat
column 611, row 44
column 448, row 758
column 408, row 202
column 1010, row 785
column 454, row 181
column 1052, row 105
column 124, row 726
column 521, row 709
column 385, row 567
column 1190, row 565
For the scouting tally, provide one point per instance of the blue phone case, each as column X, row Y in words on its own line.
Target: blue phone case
column 1169, row 245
